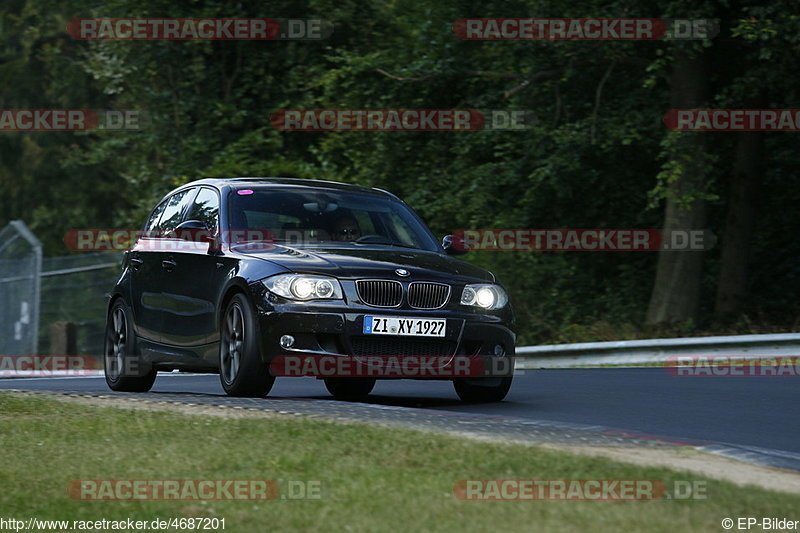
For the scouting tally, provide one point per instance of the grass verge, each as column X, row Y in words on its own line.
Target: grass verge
column 371, row 479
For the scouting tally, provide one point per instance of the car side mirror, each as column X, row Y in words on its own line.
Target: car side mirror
column 196, row 231
column 454, row 245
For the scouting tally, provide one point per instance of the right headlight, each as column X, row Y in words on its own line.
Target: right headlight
column 304, row 287
column 484, row 295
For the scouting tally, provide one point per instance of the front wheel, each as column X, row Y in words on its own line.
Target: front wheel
column 349, row 389
column 241, row 370
column 482, row 390
column 123, row 370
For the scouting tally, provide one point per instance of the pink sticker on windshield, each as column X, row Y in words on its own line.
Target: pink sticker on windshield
column 245, row 192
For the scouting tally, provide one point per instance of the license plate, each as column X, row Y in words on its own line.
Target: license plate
column 395, row 325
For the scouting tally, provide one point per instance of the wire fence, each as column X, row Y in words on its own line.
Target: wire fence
column 20, row 265
column 74, row 288
column 36, row 292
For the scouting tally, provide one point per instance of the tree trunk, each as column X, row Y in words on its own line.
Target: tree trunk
column 732, row 287
column 676, row 291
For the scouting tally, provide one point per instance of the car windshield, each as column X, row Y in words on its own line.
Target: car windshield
column 303, row 216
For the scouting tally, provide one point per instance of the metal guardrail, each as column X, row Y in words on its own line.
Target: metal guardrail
column 656, row 350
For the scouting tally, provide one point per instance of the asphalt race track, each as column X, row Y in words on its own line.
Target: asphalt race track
column 750, row 416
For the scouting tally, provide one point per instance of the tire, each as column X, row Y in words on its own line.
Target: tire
column 241, row 370
column 350, row 389
column 124, row 371
column 470, row 391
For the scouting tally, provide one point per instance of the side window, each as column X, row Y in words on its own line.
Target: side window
column 176, row 204
column 152, row 223
column 206, row 208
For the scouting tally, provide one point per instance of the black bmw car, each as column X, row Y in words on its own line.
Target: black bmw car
column 231, row 276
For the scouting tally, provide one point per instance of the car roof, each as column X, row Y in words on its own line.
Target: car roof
column 225, row 183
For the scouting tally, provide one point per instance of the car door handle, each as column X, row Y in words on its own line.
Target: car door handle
column 136, row 263
column 168, row 264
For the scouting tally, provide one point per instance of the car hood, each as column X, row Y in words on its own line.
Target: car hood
column 372, row 262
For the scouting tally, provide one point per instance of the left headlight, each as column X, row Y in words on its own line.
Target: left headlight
column 304, row 287
column 484, row 295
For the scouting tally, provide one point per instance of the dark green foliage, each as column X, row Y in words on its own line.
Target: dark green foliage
column 595, row 157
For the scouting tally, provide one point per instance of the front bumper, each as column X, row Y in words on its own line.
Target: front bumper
column 481, row 345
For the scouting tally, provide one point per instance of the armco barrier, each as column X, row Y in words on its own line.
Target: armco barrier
column 655, row 350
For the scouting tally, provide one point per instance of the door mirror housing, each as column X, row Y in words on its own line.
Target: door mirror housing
column 197, row 231
column 454, row 245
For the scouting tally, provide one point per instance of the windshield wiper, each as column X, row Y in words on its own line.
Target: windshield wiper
column 403, row 245
column 388, row 242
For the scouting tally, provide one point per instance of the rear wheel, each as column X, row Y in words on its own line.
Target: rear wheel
column 482, row 390
column 123, row 370
column 241, row 370
column 349, row 389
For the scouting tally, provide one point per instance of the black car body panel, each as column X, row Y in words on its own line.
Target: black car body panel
column 177, row 290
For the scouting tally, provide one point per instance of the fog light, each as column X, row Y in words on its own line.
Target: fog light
column 287, row 341
column 498, row 350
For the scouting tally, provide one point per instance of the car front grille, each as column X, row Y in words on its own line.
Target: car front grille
column 389, row 293
column 380, row 293
column 399, row 346
column 426, row 295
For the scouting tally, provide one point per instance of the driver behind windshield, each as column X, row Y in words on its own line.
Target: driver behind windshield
column 346, row 229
